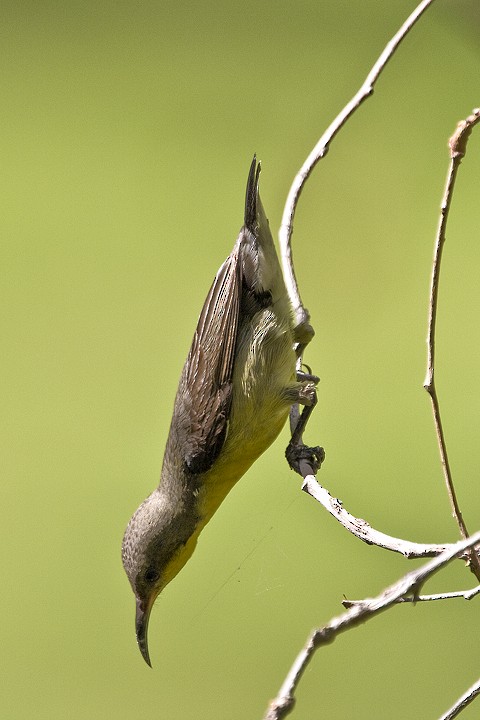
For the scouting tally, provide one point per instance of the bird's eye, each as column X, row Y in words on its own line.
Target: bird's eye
column 151, row 575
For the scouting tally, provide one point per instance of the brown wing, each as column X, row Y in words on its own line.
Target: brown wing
column 206, row 384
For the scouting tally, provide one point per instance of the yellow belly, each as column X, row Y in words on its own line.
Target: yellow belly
column 264, row 371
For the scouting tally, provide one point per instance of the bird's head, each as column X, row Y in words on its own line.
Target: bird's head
column 158, row 541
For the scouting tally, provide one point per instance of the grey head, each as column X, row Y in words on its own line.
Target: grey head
column 158, row 541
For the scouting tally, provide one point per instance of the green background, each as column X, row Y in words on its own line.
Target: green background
column 126, row 133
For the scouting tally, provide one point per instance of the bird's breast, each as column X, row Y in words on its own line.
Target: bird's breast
column 264, row 369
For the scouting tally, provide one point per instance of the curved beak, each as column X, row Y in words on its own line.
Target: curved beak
column 142, row 616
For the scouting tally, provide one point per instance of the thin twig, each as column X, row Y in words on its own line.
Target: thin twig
column 464, row 594
column 321, row 149
column 457, row 144
column 361, row 528
column 410, row 584
column 462, row 702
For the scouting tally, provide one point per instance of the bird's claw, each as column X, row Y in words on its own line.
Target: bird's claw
column 304, row 460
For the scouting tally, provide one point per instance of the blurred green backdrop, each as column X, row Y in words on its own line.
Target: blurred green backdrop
column 127, row 129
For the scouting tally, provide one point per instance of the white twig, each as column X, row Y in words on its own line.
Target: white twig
column 410, row 584
column 465, row 594
column 462, row 702
column 321, row 149
column 361, row 528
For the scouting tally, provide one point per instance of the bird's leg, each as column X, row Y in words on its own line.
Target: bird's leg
column 304, row 460
column 308, row 376
column 303, row 333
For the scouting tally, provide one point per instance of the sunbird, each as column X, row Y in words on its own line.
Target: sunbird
column 235, row 393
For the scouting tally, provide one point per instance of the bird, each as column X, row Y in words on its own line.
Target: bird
column 235, row 393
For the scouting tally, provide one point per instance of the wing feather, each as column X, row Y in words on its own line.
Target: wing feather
column 206, row 384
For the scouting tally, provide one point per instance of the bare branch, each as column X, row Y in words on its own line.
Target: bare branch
column 465, row 594
column 462, row 702
column 457, row 144
column 361, row 528
column 358, row 527
column 321, row 149
column 410, row 584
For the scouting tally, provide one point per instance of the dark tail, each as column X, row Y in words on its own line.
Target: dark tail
column 251, row 195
